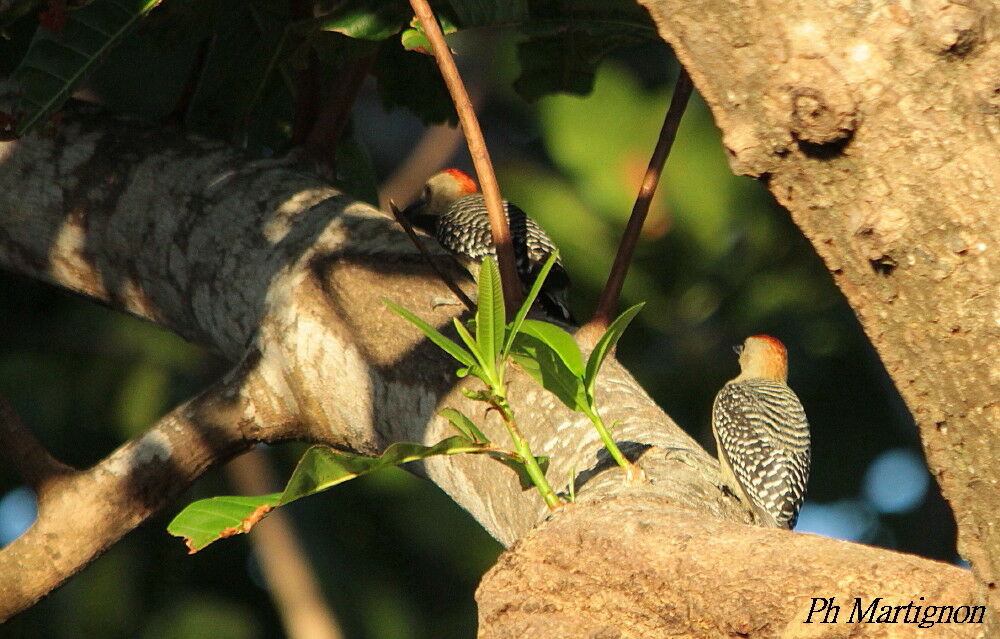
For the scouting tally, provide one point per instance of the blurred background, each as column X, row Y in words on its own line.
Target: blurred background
column 395, row 559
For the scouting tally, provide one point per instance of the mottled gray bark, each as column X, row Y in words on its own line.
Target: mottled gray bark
column 874, row 123
column 283, row 275
column 877, row 124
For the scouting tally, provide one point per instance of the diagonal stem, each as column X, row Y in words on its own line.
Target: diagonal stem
column 450, row 283
column 608, row 301
column 512, row 293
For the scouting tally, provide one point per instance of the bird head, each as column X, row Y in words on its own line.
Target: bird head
column 441, row 191
column 763, row 356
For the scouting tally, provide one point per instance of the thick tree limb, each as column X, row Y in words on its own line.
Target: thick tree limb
column 276, row 270
column 877, row 127
column 82, row 513
column 653, row 570
column 273, row 268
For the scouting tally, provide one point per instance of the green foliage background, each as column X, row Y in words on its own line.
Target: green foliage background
column 719, row 261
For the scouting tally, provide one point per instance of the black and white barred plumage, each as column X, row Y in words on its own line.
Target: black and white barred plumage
column 762, row 434
column 453, row 209
column 763, row 437
column 465, row 230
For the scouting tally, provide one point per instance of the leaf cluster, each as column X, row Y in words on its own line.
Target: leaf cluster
column 231, row 67
column 545, row 351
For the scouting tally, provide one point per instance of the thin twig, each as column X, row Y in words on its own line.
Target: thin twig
column 608, row 301
column 287, row 570
column 512, row 292
column 450, row 283
column 25, row 452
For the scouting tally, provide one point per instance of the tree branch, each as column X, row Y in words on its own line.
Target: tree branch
column 24, row 452
column 512, row 293
column 81, row 514
column 877, row 130
column 608, row 302
column 699, row 578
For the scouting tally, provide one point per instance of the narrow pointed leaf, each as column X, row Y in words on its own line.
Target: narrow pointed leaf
column 483, row 369
column 434, row 335
column 606, row 343
column 522, row 312
column 464, row 425
column 561, row 342
column 490, row 318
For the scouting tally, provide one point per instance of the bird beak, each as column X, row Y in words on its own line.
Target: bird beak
column 738, row 349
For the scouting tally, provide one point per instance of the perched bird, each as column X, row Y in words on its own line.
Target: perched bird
column 762, row 434
column 453, row 209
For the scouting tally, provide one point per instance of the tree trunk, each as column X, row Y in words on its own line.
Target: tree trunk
column 263, row 262
column 877, row 125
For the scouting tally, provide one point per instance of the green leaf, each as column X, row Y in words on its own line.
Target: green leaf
column 434, row 335
column 606, row 343
column 516, row 463
column 55, row 63
column 568, row 41
column 522, row 312
column 490, row 317
column 470, row 342
column 366, row 19
column 561, row 342
column 464, row 425
column 204, row 521
column 540, row 361
column 321, row 467
column 414, row 38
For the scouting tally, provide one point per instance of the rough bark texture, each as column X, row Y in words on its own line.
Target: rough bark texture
column 636, row 567
column 877, row 124
column 265, row 263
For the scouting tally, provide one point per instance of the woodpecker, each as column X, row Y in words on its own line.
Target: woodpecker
column 762, row 435
column 452, row 205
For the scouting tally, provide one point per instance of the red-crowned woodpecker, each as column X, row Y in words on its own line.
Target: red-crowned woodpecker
column 452, row 207
column 762, row 434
